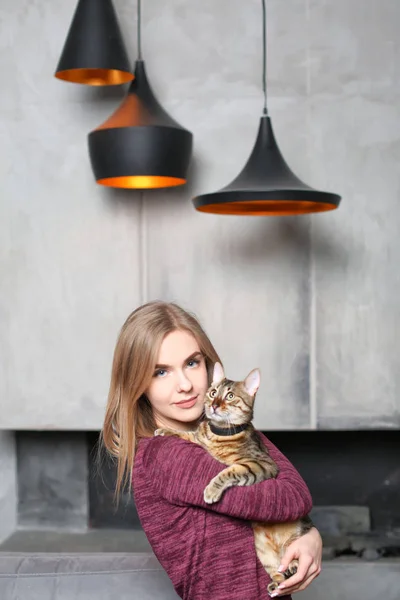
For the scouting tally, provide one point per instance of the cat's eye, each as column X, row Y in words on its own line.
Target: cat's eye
column 212, row 393
column 230, row 396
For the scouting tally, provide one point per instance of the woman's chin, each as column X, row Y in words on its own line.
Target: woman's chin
column 190, row 415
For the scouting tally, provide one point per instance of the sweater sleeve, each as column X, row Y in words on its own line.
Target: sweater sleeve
column 181, row 470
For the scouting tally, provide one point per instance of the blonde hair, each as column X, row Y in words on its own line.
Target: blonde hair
column 129, row 415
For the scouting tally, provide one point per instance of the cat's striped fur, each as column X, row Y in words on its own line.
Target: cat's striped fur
column 229, row 404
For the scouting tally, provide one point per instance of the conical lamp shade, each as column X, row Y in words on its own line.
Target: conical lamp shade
column 266, row 186
column 94, row 51
column 140, row 145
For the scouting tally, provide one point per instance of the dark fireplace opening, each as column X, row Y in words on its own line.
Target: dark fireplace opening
column 341, row 468
column 353, row 476
column 354, row 479
column 349, row 468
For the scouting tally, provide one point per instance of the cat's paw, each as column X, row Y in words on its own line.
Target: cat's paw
column 276, row 580
column 271, row 471
column 212, row 494
column 272, row 586
column 160, row 432
column 292, row 569
column 164, row 431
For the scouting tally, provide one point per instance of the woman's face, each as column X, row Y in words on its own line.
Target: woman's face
column 179, row 382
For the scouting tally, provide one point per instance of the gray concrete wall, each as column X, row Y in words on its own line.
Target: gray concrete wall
column 8, row 484
column 312, row 301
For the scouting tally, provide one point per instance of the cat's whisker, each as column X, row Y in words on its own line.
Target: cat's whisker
column 230, row 424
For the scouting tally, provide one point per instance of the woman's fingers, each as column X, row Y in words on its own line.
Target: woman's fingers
column 305, row 563
column 292, row 586
column 305, row 584
column 297, row 588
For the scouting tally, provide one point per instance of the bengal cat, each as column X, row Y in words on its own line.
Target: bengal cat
column 229, row 436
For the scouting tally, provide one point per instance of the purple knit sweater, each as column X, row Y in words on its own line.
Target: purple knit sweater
column 207, row 550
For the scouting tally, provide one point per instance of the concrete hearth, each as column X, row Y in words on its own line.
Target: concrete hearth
column 139, row 575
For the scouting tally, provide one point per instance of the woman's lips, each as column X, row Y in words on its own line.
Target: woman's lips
column 188, row 403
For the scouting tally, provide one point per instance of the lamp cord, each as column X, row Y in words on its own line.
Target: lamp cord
column 264, row 78
column 264, row 72
column 139, row 32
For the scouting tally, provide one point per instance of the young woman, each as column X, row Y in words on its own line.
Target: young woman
column 162, row 367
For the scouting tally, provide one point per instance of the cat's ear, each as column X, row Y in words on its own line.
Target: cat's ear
column 218, row 374
column 252, row 382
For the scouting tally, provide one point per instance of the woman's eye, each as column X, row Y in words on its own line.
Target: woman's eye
column 230, row 396
column 160, row 373
column 193, row 363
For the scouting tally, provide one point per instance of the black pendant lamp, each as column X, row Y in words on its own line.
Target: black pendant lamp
column 94, row 51
column 140, row 146
column 266, row 186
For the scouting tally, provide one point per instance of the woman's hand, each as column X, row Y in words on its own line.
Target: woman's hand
column 308, row 551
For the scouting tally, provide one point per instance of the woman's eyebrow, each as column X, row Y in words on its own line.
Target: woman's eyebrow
column 193, row 355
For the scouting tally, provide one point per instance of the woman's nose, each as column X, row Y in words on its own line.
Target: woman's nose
column 184, row 383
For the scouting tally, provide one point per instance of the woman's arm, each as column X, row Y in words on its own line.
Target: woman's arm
column 181, row 470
